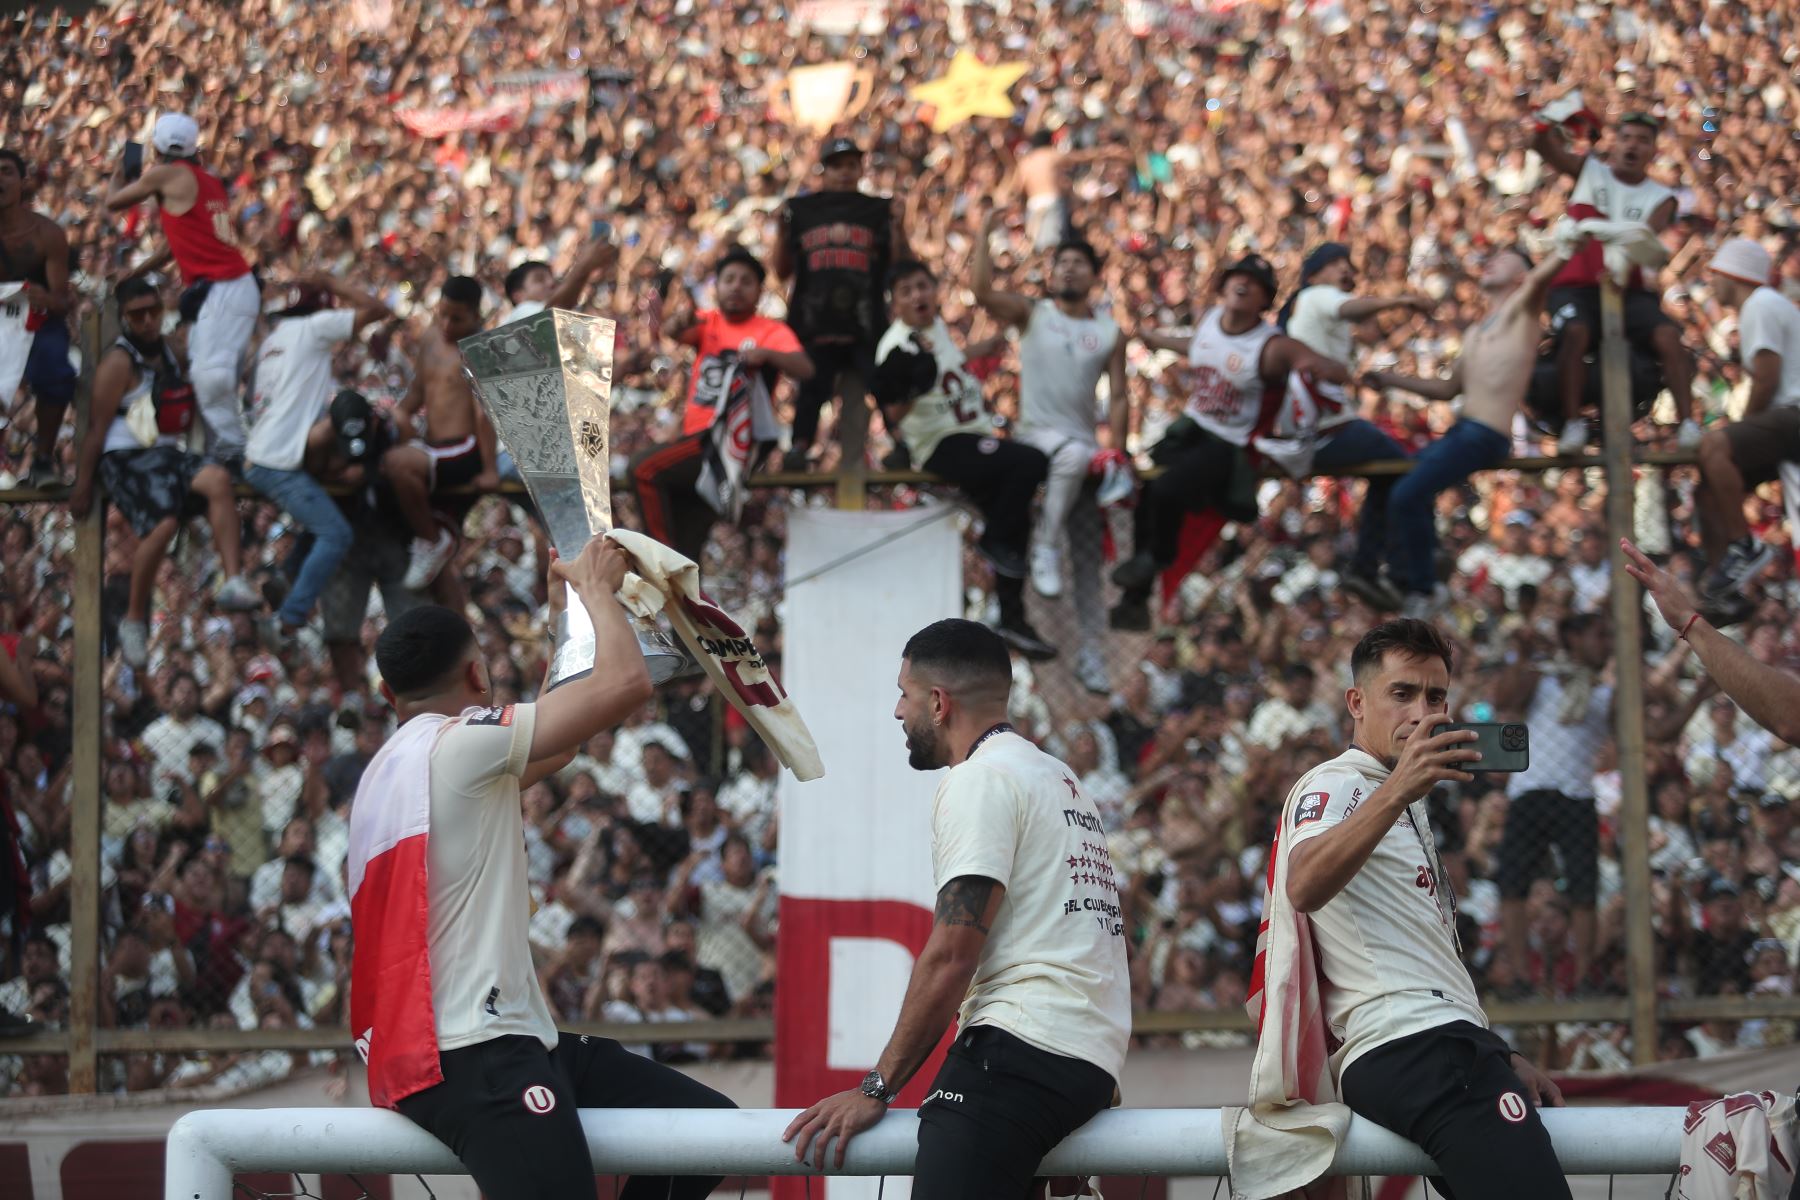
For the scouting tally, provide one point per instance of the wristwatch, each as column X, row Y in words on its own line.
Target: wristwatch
column 876, row 1088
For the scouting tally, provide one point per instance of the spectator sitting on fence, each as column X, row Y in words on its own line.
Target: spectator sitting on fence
column 1762, row 445
column 143, row 409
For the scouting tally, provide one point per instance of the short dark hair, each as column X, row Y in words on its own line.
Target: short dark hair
column 135, row 288
column 1080, row 246
column 413, row 650
column 515, row 278
column 587, row 925
column 16, row 159
column 965, row 651
column 1417, row 639
column 460, row 289
column 905, row 269
column 741, row 256
column 302, row 861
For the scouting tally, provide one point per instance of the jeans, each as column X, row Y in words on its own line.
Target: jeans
column 1469, row 446
column 309, row 504
column 1349, row 445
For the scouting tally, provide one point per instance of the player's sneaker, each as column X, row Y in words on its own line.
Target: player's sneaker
column 1006, row 560
column 1574, row 437
column 44, row 475
column 1372, row 590
column 1090, row 671
column 238, row 594
column 1136, row 573
column 1132, row 613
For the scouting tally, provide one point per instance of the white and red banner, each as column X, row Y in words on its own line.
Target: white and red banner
column 856, row 894
column 546, row 89
column 496, row 117
column 841, row 18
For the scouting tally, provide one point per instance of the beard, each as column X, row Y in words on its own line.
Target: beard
column 924, row 749
column 1071, row 293
column 147, row 348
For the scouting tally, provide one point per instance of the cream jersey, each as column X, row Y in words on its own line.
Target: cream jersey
column 1053, row 970
column 1386, row 942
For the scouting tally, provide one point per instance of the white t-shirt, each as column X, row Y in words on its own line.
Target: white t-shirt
column 293, row 385
column 1563, row 752
column 1052, row 971
column 953, row 405
column 483, row 985
column 1769, row 321
column 1386, row 945
column 1315, row 322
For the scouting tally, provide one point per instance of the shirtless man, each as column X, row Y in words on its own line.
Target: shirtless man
column 1491, row 376
column 34, row 334
column 459, row 446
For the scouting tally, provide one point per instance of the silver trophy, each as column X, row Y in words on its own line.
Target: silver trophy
column 546, row 383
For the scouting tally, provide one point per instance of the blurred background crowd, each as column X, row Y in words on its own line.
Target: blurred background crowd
column 1180, row 139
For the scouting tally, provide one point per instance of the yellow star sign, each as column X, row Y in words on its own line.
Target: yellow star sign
column 971, row 89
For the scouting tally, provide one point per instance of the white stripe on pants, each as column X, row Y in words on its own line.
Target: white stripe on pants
column 216, row 346
column 1070, row 506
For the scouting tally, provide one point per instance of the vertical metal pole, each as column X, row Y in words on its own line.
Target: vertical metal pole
column 1628, row 658
column 84, row 781
column 853, row 442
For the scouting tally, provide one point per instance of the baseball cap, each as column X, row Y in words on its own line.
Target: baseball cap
column 176, row 135
column 1256, row 267
column 1647, row 120
column 1743, row 259
column 1718, row 888
column 353, row 420
column 1323, row 257
column 838, row 145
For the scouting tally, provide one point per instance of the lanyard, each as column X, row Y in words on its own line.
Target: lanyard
column 1002, row 727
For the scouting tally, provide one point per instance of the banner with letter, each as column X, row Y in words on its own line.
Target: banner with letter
column 856, row 889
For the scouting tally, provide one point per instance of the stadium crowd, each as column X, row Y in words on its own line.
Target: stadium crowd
column 1177, row 141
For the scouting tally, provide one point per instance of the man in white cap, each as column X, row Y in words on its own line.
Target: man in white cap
column 1753, row 449
column 196, row 221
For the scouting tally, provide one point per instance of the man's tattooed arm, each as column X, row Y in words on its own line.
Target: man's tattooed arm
column 964, row 901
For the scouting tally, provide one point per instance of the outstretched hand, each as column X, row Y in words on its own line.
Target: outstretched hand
column 1671, row 600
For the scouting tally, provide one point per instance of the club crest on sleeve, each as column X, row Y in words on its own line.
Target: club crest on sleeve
column 492, row 716
column 1310, row 808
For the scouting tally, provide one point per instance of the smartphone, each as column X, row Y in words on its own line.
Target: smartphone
column 134, row 160
column 1504, row 745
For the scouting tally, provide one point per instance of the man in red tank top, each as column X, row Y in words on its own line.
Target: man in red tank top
column 196, row 222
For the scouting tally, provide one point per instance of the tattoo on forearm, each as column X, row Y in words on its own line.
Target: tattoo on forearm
column 964, row 901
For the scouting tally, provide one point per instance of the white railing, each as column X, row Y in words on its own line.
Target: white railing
column 206, row 1148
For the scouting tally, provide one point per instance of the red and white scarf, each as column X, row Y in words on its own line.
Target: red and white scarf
column 1282, row 1144
column 390, row 974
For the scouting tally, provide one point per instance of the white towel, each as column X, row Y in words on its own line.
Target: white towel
column 669, row 584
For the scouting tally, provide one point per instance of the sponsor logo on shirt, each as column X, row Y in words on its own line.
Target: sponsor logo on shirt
column 493, row 716
column 1311, row 808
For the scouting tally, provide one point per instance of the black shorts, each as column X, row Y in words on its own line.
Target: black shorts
column 453, row 464
column 1762, row 441
column 377, row 558
column 151, row 484
column 997, row 1107
column 1453, row 1091
column 509, row 1110
column 1535, row 822
column 1581, row 306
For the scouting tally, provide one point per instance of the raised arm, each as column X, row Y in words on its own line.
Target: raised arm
column 1431, row 389
column 573, row 286
column 1009, row 307
column 1118, row 396
column 1548, row 141
column 619, row 683
column 1361, row 308
column 147, row 186
column 1284, row 355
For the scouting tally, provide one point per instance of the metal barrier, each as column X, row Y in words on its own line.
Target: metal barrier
column 205, row 1148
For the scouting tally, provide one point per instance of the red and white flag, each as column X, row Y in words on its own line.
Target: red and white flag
column 390, row 975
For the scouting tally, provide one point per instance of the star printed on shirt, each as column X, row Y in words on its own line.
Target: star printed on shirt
column 1073, row 860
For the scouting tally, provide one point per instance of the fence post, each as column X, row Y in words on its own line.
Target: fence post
column 853, row 442
column 84, row 778
column 1628, row 665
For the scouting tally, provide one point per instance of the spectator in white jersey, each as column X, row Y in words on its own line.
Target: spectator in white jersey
column 1067, row 345
column 290, row 401
column 1235, row 356
column 924, row 388
column 1415, row 1054
column 1756, row 448
column 475, row 1058
column 1320, row 316
column 1026, row 952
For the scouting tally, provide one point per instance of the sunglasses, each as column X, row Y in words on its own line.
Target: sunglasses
column 135, row 314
